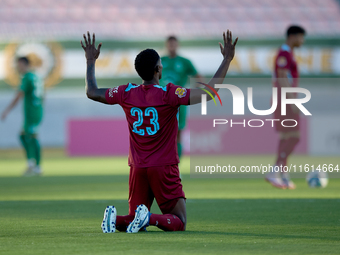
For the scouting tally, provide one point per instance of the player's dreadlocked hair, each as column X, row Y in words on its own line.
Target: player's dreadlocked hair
column 294, row 29
column 145, row 64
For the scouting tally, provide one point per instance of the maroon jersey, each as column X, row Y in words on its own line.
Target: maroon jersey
column 151, row 113
column 285, row 60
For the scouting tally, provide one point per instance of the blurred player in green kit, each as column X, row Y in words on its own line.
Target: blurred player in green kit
column 32, row 91
column 176, row 70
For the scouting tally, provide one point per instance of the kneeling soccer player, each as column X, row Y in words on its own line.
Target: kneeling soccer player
column 153, row 158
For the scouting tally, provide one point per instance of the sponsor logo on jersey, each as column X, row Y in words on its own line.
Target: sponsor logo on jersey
column 282, row 61
column 113, row 90
column 181, row 92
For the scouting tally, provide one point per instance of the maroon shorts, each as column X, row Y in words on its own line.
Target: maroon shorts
column 160, row 182
column 290, row 115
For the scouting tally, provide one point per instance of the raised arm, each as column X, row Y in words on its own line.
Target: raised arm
column 91, row 54
column 228, row 52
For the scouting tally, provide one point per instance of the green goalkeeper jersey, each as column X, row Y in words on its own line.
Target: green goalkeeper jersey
column 33, row 90
column 176, row 70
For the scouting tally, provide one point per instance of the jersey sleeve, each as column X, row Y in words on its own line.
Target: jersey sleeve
column 283, row 60
column 177, row 95
column 191, row 70
column 114, row 95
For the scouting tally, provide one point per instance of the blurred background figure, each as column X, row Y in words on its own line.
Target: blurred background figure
column 31, row 91
column 176, row 70
column 286, row 74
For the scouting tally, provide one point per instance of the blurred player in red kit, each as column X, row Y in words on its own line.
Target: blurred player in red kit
column 153, row 158
column 286, row 74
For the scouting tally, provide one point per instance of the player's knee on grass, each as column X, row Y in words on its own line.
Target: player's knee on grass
column 175, row 207
column 180, row 211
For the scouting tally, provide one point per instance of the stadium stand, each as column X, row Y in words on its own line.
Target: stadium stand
column 156, row 19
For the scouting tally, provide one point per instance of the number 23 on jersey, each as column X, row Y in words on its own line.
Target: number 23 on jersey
column 150, row 111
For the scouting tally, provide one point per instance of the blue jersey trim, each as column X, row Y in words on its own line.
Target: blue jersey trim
column 160, row 87
column 131, row 86
column 285, row 47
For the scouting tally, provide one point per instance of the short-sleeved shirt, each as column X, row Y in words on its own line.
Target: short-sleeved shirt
column 176, row 70
column 285, row 60
column 151, row 115
column 33, row 90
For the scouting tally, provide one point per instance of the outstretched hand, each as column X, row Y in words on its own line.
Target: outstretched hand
column 228, row 49
column 91, row 53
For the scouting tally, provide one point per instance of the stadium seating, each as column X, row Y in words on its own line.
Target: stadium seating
column 156, row 19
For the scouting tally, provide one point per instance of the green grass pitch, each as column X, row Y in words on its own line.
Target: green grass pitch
column 61, row 212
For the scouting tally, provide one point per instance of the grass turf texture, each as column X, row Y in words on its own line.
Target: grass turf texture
column 61, row 212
